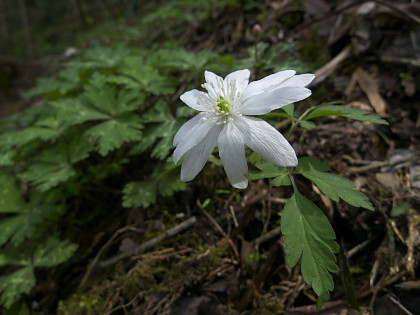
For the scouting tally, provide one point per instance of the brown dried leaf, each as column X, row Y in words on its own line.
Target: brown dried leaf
column 369, row 85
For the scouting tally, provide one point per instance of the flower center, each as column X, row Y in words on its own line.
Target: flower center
column 223, row 105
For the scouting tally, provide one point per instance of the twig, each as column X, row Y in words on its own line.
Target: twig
column 103, row 248
column 219, row 228
column 146, row 245
column 123, row 306
column 383, row 283
column 323, row 72
column 268, row 236
column 358, row 247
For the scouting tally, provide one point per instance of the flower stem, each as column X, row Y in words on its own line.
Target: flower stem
column 295, row 122
column 292, row 179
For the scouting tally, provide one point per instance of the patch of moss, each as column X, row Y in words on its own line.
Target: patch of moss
column 149, row 277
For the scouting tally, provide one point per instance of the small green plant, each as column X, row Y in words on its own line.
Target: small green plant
column 224, row 120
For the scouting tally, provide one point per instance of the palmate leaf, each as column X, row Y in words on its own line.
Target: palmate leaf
column 68, row 80
column 164, row 181
column 112, row 133
column 29, row 219
column 308, row 235
column 54, row 165
column 46, row 128
column 37, row 253
column 161, row 125
column 14, row 285
column 185, row 60
column 11, row 200
column 137, row 75
column 104, row 57
column 170, row 183
column 32, row 220
column 335, row 110
column 52, row 252
column 109, row 99
column 100, row 101
column 269, row 170
column 7, row 158
column 140, row 194
column 333, row 185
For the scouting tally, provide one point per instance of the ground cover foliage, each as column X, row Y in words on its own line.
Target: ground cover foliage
column 95, row 220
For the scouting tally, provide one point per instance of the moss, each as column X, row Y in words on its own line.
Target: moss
column 152, row 275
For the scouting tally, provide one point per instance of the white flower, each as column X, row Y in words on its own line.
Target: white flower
column 222, row 121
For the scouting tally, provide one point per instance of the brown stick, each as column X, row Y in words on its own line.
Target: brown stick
column 219, row 228
column 323, row 72
column 148, row 244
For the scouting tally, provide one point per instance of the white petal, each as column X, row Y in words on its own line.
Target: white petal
column 264, row 103
column 196, row 158
column 191, row 98
column 264, row 139
column 232, row 154
column 240, row 78
column 214, row 84
column 186, row 128
column 266, row 84
column 194, row 137
column 299, row 80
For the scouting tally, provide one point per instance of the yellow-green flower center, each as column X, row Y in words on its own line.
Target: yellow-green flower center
column 223, row 105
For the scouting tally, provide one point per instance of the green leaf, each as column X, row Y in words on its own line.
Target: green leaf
column 100, row 101
column 307, row 124
column 113, row 133
column 164, row 127
column 308, row 235
column 170, row 183
column 37, row 253
column 54, row 165
column 137, row 75
column 333, row 185
column 139, row 194
column 164, row 182
column 269, row 170
column 104, row 57
column 31, row 221
column 186, row 60
column 11, row 200
column 6, row 158
column 53, row 252
column 289, row 109
column 46, row 128
column 400, row 209
column 110, row 99
column 356, row 114
column 14, row 285
column 16, row 256
column 185, row 112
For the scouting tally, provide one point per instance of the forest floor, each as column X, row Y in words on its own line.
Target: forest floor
column 229, row 258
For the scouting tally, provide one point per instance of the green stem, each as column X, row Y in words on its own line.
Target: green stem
column 295, row 122
column 292, row 179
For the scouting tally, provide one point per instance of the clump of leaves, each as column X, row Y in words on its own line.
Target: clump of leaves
column 104, row 111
